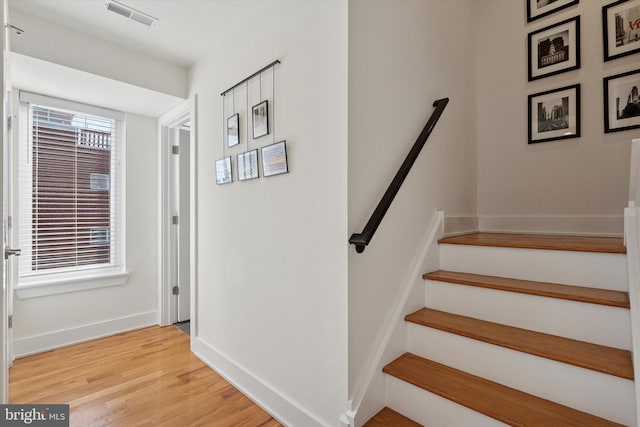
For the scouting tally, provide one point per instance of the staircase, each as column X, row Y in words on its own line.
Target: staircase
column 523, row 330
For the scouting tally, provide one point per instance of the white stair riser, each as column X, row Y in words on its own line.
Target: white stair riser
column 598, row 324
column 596, row 393
column 430, row 409
column 597, row 270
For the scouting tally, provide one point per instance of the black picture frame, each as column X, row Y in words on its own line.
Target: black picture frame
column 554, row 49
column 224, row 171
column 554, row 114
column 260, row 119
column 233, row 130
column 247, row 163
column 621, row 29
column 537, row 9
column 617, row 90
column 274, row 159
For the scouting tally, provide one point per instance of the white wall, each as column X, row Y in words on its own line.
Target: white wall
column 54, row 43
column 272, row 252
column 582, row 177
column 52, row 321
column 402, row 57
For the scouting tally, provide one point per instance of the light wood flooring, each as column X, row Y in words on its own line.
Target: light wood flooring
column 147, row 377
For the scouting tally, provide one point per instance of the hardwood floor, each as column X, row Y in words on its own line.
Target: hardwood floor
column 147, row 377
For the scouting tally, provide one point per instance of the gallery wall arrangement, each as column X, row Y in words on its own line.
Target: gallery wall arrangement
column 554, row 114
column 261, row 153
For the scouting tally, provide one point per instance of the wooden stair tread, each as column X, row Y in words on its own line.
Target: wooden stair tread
column 494, row 400
column 553, row 290
column 387, row 417
column 538, row 241
column 596, row 357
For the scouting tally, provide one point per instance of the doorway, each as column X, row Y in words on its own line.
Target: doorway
column 177, row 217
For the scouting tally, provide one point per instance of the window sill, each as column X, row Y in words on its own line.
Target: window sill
column 32, row 288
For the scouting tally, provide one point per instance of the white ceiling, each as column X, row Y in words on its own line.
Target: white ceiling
column 185, row 32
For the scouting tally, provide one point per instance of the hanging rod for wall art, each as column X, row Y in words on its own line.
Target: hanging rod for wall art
column 266, row 67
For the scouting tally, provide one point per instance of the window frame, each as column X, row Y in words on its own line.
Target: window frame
column 71, row 279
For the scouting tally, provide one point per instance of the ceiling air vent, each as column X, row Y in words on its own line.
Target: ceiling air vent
column 131, row 13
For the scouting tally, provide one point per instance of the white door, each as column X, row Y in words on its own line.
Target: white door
column 179, row 240
column 184, row 281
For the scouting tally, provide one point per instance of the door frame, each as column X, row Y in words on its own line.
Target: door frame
column 178, row 116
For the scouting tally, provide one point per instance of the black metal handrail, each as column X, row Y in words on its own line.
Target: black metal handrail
column 361, row 240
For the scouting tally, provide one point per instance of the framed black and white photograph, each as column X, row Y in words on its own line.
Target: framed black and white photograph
column 223, row 171
column 233, row 130
column 537, row 9
column 622, row 102
column 274, row 159
column 554, row 114
column 621, row 28
column 554, row 49
column 260, row 115
column 248, row 165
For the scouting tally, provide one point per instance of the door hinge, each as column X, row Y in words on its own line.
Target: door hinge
column 9, row 221
column 175, row 149
column 175, row 219
column 10, row 322
column 8, row 122
column 175, row 290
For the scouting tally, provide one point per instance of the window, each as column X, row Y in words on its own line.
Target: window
column 71, row 189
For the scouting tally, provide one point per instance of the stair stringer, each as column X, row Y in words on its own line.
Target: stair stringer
column 370, row 394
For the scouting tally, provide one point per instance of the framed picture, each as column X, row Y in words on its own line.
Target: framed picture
column 274, row 159
column 554, row 114
column 233, row 130
column 621, row 28
column 248, row 165
column 223, row 171
column 537, row 9
column 622, row 102
column 260, row 115
column 554, row 49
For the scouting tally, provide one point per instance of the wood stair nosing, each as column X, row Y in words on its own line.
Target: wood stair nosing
column 595, row 357
column 489, row 398
column 387, row 417
column 553, row 290
column 539, row 241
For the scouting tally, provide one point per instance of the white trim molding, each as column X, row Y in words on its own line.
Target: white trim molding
column 632, row 242
column 454, row 225
column 368, row 393
column 283, row 408
column 45, row 342
column 76, row 284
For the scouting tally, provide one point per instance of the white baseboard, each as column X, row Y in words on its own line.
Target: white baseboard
column 40, row 343
column 282, row 408
column 575, row 225
column 454, row 225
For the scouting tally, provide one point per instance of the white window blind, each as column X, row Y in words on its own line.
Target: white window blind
column 70, row 177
